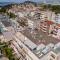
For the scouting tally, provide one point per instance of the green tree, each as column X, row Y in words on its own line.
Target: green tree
column 3, row 10
column 11, row 15
column 7, row 51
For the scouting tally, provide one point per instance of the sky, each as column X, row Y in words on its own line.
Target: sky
column 29, row 0
column 18, row 0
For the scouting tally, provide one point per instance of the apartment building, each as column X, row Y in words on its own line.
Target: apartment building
column 30, row 24
column 54, row 54
column 30, row 43
column 50, row 28
column 42, row 52
column 37, row 44
column 57, row 18
column 51, row 56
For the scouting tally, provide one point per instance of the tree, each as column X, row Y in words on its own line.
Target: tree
column 11, row 15
column 7, row 51
column 54, row 8
column 3, row 10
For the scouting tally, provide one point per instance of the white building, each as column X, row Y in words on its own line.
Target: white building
column 30, row 23
column 51, row 53
column 20, row 14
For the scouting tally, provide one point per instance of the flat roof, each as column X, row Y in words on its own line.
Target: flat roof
column 30, row 44
column 8, row 35
column 6, row 23
column 4, row 58
column 57, row 50
column 39, row 37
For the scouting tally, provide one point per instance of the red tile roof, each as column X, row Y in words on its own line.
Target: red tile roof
column 58, row 25
column 49, row 22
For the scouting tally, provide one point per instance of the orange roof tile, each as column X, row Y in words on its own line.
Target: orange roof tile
column 49, row 22
column 58, row 25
